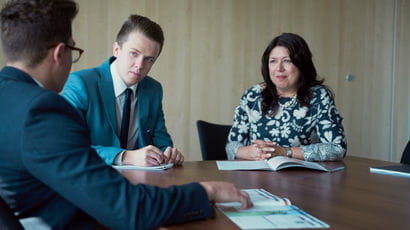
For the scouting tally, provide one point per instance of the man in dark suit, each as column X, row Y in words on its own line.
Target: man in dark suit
column 49, row 175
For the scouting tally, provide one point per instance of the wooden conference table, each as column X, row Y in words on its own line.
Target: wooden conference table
column 352, row 198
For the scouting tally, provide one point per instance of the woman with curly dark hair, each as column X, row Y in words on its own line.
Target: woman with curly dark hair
column 291, row 113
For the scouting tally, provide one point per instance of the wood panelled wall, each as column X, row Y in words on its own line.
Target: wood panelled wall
column 213, row 49
column 401, row 100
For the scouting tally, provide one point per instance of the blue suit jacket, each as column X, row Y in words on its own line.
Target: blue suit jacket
column 48, row 169
column 91, row 92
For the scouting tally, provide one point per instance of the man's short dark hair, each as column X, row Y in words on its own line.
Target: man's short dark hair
column 30, row 27
column 141, row 24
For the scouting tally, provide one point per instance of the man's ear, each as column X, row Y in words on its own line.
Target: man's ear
column 116, row 49
column 58, row 53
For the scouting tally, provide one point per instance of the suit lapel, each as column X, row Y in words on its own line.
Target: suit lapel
column 143, row 112
column 106, row 90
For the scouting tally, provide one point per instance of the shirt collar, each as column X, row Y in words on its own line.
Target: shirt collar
column 119, row 84
column 38, row 82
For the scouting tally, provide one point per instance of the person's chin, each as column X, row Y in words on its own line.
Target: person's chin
column 134, row 79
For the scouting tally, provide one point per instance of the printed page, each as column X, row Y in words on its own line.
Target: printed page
column 148, row 168
column 281, row 162
column 260, row 198
column 269, row 212
column 242, row 165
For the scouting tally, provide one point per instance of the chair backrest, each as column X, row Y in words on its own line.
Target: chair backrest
column 7, row 218
column 405, row 158
column 212, row 139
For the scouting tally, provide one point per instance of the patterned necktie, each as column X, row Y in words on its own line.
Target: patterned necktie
column 125, row 118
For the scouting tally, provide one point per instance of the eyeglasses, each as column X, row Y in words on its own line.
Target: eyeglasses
column 77, row 54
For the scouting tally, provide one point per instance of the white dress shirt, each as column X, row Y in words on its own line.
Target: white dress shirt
column 119, row 92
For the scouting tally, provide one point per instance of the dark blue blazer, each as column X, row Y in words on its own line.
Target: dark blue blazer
column 48, row 170
column 91, row 92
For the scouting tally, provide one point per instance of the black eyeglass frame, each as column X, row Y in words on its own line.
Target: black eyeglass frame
column 81, row 51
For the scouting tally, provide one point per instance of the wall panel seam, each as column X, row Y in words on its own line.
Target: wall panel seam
column 393, row 82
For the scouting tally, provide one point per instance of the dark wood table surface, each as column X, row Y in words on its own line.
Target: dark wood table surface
column 352, row 198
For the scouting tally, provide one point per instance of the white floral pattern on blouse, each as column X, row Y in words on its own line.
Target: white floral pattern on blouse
column 317, row 130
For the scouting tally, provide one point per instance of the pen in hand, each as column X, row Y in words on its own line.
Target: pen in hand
column 151, row 142
column 150, row 137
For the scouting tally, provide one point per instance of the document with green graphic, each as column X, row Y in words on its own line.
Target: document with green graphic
column 269, row 212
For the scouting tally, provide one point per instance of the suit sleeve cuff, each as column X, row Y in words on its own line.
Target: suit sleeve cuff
column 118, row 158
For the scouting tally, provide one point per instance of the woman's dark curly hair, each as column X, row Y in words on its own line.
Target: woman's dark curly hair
column 301, row 57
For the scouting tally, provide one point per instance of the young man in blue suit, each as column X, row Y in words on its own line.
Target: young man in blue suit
column 49, row 175
column 99, row 94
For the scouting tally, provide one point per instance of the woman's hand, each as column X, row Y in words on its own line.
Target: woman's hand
column 260, row 150
column 269, row 147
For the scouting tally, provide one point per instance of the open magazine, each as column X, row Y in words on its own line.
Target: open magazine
column 268, row 212
column 278, row 163
column 148, row 168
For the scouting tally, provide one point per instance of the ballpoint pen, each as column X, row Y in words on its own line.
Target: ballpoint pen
column 150, row 137
column 151, row 141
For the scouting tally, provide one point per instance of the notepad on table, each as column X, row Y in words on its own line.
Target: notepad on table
column 278, row 163
column 268, row 212
column 148, row 168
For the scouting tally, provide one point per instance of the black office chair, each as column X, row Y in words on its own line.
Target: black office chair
column 7, row 218
column 405, row 158
column 212, row 139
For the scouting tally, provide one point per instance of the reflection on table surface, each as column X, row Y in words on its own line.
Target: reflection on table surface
column 352, row 198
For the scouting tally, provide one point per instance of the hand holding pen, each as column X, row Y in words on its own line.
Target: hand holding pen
column 150, row 155
column 147, row 156
column 173, row 155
